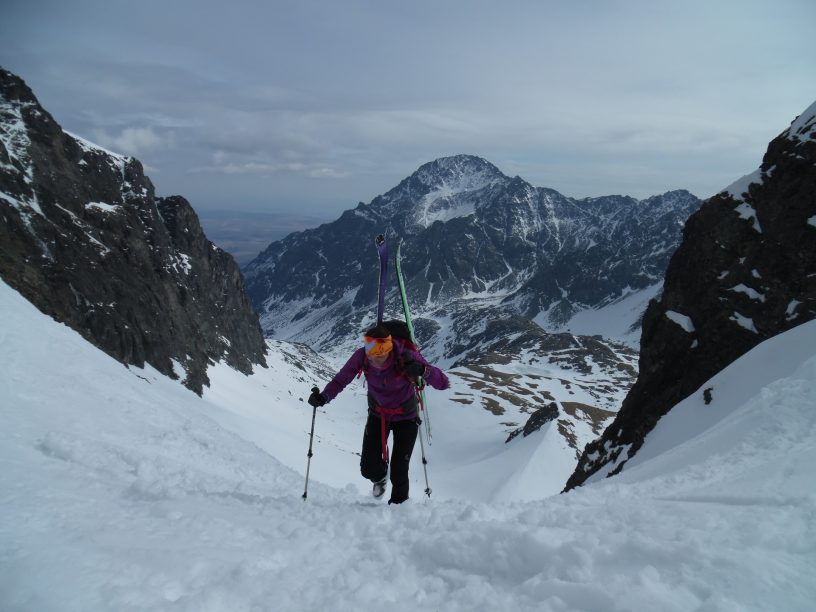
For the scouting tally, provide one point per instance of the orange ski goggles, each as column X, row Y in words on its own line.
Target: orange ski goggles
column 377, row 347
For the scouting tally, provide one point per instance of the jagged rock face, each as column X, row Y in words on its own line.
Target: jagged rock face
column 745, row 271
column 473, row 237
column 85, row 239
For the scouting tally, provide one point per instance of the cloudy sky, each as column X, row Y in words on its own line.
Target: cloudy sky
column 311, row 106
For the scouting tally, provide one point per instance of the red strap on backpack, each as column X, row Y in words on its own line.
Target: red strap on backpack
column 385, row 418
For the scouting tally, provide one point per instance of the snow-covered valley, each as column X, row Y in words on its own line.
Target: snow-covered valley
column 123, row 490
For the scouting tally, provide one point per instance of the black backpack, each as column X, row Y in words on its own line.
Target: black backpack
column 399, row 329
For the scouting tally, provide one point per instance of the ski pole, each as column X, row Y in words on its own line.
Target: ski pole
column 424, row 464
column 425, row 413
column 309, row 455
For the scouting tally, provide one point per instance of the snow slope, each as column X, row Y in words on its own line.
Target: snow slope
column 468, row 456
column 122, row 490
column 619, row 320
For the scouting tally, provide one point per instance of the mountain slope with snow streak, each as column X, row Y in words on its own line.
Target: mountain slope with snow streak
column 122, row 490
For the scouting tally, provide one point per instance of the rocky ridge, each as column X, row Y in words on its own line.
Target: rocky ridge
column 744, row 272
column 85, row 239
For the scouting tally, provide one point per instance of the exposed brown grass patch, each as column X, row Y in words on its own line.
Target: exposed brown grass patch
column 593, row 415
column 503, row 386
column 493, row 406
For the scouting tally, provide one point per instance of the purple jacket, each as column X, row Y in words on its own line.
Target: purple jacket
column 387, row 387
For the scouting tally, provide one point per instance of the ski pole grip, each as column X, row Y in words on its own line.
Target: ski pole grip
column 315, row 390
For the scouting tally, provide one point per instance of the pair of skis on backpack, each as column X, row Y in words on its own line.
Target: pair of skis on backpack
column 396, row 327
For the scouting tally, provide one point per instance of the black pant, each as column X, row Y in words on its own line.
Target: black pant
column 372, row 465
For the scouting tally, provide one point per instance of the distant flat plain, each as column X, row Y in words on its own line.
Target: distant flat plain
column 245, row 234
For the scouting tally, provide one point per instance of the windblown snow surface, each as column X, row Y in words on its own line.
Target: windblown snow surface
column 122, row 490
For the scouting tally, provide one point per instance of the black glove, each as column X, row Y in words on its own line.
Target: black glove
column 414, row 369
column 317, row 399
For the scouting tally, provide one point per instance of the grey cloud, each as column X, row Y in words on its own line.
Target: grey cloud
column 135, row 141
column 254, row 105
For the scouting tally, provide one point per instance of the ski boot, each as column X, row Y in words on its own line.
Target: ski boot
column 379, row 487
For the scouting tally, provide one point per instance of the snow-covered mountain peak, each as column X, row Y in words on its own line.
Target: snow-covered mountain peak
column 668, row 201
column 804, row 126
column 473, row 238
column 458, row 172
column 444, row 189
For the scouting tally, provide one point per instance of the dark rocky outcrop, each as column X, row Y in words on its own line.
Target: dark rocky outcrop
column 744, row 272
column 537, row 420
column 84, row 238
